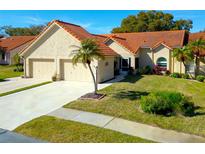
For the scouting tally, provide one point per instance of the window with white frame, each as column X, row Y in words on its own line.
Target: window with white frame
column 162, row 62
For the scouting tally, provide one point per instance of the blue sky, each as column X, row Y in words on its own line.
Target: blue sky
column 94, row 21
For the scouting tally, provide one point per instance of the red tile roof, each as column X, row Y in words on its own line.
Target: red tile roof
column 13, row 42
column 195, row 36
column 80, row 33
column 130, row 41
column 134, row 41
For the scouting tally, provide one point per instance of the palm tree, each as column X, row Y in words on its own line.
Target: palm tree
column 86, row 53
column 183, row 55
column 197, row 47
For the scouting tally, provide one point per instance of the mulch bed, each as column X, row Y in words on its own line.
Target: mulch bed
column 92, row 96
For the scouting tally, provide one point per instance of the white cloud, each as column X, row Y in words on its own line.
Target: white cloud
column 34, row 20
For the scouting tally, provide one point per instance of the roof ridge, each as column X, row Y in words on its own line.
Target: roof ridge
column 67, row 23
column 146, row 32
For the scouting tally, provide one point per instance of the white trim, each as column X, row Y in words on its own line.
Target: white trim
column 121, row 46
column 39, row 37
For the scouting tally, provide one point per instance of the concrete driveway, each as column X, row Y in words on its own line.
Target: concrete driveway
column 21, row 107
column 16, row 83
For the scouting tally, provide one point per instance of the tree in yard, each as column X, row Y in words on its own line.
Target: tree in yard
column 22, row 31
column 17, row 61
column 152, row 21
column 183, row 55
column 86, row 53
column 197, row 48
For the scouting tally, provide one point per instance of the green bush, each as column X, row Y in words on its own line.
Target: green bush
column 131, row 71
column 200, row 78
column 146, row 70
column 167, row 72
column 167, row 103
column 175, row 75
column 185, row 76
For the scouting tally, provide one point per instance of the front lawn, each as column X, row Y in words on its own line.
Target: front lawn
column 7, row 71
column 123, row 101
column 56, row 130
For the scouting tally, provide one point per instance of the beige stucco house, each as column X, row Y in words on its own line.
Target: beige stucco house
column 10, row 46
column 51, row 52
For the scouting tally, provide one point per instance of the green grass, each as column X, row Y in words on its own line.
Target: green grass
column 7, row 71
column 56, row 130
column 25, row 88
column 123, row 101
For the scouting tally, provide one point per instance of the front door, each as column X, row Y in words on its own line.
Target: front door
column 125, row 64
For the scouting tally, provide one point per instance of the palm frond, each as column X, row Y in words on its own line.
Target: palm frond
column 87, row 52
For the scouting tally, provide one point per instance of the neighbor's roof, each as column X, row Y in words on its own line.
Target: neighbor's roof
column 13, row 42
column 196, row 36
column 135, row 41
column 80, row 34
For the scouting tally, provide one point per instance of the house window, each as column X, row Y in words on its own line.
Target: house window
column 2, row 55
column 162, row 62
column 136, row 63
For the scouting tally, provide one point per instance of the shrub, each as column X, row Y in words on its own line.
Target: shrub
column 130, row 71
column 54, row 77
column 185, row 76
column 167, row 72
column 158, row 70
column 167, row 103
column 175, row 75
column 146, row 70
column 186, row 108
column 200, row 78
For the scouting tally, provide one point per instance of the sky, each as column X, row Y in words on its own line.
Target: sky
column 97, row 22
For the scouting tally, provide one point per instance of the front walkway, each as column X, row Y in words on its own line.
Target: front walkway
column 126, row 126
column 11, row 137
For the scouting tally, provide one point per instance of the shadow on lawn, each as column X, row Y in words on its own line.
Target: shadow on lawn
column 132, row 78
column 199, row 111
column 3, row 80
column 131, row 95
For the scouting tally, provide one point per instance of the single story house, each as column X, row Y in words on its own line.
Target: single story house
column 193, row 37
column 50, row 53
column 10, row 46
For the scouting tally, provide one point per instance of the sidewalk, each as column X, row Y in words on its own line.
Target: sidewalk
column 12, row 137
column 127, row 127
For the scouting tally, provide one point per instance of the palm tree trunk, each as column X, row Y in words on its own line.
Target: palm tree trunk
column 94, row 81
column 197, row 67
column 184, row 67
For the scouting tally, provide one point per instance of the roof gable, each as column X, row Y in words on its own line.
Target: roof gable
column 79, row 33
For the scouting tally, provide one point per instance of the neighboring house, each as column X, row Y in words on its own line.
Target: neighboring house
column 10, row 46
column 194, row 37
column 50, row 53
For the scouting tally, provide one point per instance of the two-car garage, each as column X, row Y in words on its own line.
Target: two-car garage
column 46, row 68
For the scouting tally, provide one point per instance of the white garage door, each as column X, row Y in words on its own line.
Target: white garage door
column 75, row 73
column 43, row 68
